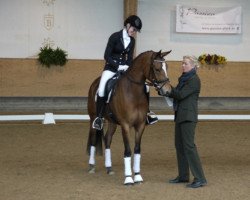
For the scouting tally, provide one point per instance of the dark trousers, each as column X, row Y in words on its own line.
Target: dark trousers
column 187, row 155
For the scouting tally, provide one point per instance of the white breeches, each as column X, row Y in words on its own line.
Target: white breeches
column 106, row 75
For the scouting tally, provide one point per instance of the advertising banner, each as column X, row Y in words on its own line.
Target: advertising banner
column 193, row 19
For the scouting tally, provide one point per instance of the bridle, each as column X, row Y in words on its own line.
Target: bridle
column 157, row 84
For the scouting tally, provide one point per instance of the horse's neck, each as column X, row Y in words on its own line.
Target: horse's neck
column 137, row 72
column 136, row 76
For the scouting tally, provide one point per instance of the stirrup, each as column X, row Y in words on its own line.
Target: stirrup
column 98, row 123
column 151, row 118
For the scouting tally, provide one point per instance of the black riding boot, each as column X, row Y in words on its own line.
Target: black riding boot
column 100, row 106
column 151, row 116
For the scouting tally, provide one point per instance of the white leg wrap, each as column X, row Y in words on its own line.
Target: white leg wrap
column 138, row 178
column 137, row 161
column 127, row 163
column 108, row 162
column 92, row 155
column 128, row 180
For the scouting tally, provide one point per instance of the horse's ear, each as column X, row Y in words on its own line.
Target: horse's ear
column 158, row 53
column 163, row 54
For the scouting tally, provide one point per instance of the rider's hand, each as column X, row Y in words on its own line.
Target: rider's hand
column 123, row 67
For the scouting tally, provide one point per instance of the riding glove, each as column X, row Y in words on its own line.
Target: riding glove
column 123, row 67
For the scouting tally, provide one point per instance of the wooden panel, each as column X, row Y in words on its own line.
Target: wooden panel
column 130, row 7
column 25, row 77
column 231, row 80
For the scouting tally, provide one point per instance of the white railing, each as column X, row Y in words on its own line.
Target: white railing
column 50, row 118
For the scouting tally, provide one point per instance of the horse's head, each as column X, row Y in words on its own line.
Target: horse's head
column 158, row 72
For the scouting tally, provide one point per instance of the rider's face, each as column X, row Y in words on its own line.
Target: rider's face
column 131, row 30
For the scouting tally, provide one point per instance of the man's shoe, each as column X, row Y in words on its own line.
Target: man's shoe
column 196, row 184
column 178, row 180
column 98, row 123
column 151, row 118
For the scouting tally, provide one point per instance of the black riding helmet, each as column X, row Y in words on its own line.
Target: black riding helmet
column 134, row 21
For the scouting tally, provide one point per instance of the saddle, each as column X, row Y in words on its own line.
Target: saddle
column 109, row 92
column 110, row 86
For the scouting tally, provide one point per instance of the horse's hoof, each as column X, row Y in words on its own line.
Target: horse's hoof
column 138, row 179
column 91, row 169
column 128, row 181
column 111, row 172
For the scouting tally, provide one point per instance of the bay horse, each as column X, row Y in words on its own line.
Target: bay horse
column 129, row 105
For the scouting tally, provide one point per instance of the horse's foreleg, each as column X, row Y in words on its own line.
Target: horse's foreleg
column 127, row 157
column 108, row 139
column 137, row 161
column 128, row 171
column 137, row 155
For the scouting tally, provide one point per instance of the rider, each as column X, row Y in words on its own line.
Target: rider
column 119, row 56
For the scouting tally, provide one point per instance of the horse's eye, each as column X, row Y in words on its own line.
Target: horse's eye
column 158, row 69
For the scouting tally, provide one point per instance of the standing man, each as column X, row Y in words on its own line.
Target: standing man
column 185, row 97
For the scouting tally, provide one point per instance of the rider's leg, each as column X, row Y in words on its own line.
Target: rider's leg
column 151, row 116
column 100, row 104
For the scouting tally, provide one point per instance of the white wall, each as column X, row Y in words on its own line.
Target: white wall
column 81, row 27
column 159, row 31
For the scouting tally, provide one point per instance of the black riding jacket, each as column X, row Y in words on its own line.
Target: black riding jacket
column 115, row 53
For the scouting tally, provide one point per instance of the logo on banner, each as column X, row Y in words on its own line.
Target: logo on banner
column 48, row 2
column 49, row 21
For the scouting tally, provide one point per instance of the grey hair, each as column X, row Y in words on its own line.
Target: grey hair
column 193, row 59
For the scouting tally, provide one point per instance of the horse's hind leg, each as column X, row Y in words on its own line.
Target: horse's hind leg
column 94, row 146
column 95, row 137
column 108, row 139
column 91, row 169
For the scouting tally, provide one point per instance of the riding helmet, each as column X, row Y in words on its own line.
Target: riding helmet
column 134, row 21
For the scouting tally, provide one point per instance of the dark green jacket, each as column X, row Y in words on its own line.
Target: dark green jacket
column 187, row 100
